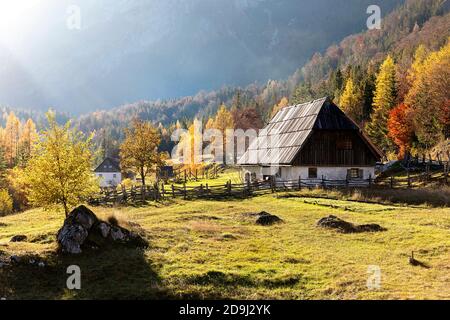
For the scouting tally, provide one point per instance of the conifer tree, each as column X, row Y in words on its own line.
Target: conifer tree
column 351, row 101
column 383, row 101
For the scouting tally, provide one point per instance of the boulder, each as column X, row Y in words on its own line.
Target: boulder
column 267, row 219
column 15, row 259
column 104, row 229
column 18, row 238
column 333, row 222
column 82, row 229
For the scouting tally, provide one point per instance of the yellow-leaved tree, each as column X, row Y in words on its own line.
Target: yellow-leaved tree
column 384, row 101
column 351, row 101
column 139, row 151
column 429, row 97
column 284, row 102
column 222, row 122
column 60, row 171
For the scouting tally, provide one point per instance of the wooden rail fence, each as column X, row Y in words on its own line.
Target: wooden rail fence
column 160, row 191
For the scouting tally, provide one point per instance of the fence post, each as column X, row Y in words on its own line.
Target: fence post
column 156, row 189
column 173, row 191
column 201, row 189
column 323, row 182
column 249, row 187
column 143, row 193
column 124, row 193
column 409, row 179
column 184, row 191
column 185, row 176
column 392, row 182
column 446, row 172
column 207, row 189
column 162, row 190
column 299, row 182
column 370, row 180
column 116, row 198
column 133, row 193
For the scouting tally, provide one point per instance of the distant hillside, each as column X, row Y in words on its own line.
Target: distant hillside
column 128, row 50
column 416, row 22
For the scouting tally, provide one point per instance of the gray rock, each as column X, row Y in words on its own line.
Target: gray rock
column 84, row 217
column 82, row 229
column 104, row 229
column 117, row 234
column 71, row 237
column 15, row 259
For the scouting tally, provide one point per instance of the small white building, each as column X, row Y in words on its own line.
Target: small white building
column 312, row 141
column 109, row 173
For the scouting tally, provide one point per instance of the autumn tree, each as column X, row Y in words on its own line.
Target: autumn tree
column 139, row 151
column 383, row 101
column 3, row 168
column 248, row 118
column 191, row 142
column 400, row 128
column 11, row 139
column 284, row 102
column 351, row 101
column 60, row 171
column 222, row 122
column 429, row 96
column 27, row 140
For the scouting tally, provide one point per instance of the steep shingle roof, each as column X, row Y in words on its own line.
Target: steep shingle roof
column 108, row 165
column 285, row 135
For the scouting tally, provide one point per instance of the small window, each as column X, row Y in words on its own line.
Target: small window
column 345, row 144
column 114, row 175
column 312, row 173
column 355, row 173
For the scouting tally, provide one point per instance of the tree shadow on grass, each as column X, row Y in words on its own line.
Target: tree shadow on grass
column 113, row 273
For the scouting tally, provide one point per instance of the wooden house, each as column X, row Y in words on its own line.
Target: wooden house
column 109, row 173
column 314, row 140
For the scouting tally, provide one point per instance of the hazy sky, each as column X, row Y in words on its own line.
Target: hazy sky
column 101, row 53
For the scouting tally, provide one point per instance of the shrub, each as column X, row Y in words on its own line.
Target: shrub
column 127, row 183
column 6, row 203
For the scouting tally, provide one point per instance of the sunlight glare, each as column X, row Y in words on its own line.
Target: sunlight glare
column 15, row 16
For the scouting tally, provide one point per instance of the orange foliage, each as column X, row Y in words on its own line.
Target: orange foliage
column 400, row 128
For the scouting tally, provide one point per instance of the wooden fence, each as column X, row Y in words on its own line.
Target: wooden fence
column 160, row 191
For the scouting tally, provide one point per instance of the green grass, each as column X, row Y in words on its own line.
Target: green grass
column 213, row 249
column 229, row 174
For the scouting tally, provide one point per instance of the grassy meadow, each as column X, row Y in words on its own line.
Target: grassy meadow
column 214, row 249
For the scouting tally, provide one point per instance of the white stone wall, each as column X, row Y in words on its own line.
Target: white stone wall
column 293, row 173
column 109, row 179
